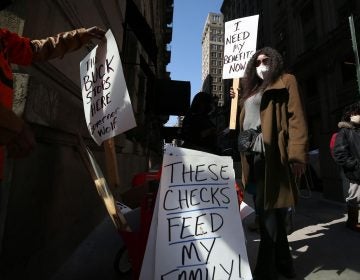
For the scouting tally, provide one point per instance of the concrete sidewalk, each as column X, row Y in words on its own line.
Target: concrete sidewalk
column 322, row 246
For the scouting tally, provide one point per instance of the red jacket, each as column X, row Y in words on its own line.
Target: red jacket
column 23, row 51
column 17, row 50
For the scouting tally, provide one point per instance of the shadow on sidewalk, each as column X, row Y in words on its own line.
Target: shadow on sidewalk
column 322, row 246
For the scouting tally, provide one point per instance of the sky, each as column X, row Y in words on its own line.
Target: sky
column 188, row 24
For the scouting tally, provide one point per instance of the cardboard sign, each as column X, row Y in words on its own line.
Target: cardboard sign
column 197, row 221
column 239, row 45
column 107, row 105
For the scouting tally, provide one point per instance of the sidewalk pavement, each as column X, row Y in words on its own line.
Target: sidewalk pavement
column 323, row 248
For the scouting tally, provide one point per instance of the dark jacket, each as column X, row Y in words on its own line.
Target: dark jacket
column 199, row 133
column 347, row 150
column 285, row 139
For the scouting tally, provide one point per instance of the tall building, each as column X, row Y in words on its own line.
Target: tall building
column 315, row 41
column 212, row 45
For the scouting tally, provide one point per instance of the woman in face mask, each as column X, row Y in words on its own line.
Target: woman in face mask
column 347, row 155
column 270, row 104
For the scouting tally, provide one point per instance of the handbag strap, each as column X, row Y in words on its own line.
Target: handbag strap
column 306, row 193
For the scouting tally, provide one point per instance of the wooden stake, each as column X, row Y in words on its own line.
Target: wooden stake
column 234, row 104
column 111, row 163
column 117, row 217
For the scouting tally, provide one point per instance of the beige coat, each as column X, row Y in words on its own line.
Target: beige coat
column 285, row 138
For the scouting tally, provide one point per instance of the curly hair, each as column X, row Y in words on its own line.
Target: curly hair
column 351, row 110
column 252, row 83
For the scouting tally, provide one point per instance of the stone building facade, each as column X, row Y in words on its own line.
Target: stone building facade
column 48, row 202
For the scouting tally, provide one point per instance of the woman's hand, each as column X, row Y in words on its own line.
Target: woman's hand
column 96, row 32
column 298, row 169
column 232, row 92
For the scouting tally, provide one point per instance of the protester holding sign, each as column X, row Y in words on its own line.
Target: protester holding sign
column 271, row 105
column 14, row 133
column 198, row 131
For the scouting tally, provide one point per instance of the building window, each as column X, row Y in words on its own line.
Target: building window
column 213, row 62
column 214, row 87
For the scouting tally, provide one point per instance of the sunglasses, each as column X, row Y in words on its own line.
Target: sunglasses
column 264, row 61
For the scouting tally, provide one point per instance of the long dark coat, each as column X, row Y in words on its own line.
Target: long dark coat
column 285, row 139
column 347, row 150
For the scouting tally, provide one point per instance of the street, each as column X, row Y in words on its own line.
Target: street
column 322, row 247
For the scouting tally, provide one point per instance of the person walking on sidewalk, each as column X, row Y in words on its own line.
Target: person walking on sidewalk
column 271, row 103
column 346, row 154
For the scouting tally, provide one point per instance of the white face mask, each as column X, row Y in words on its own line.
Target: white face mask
column 355, row 119
column 261, row 69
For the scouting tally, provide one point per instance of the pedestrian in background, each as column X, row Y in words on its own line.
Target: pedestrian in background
column 346, row 154
column 198, row 131
column 15, row 134
column 271, row 106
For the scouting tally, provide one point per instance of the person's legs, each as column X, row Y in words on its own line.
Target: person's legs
column 284, row 261
column 274, row 253
column 251, row 189
column 265, row 268
column 353, row 202
column 254, row 226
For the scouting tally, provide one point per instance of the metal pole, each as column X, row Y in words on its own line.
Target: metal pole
column 354, row 44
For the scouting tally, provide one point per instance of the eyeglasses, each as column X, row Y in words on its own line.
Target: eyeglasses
column 264, row 61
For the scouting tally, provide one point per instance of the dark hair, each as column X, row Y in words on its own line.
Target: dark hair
column 252, row 83
column 202, row 103
column 351, row 110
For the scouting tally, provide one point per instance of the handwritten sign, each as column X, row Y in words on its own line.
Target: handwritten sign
column 198, row 220
column 239, row 45
column 107, row 105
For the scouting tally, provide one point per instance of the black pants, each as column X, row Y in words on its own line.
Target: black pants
column 274, row 252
